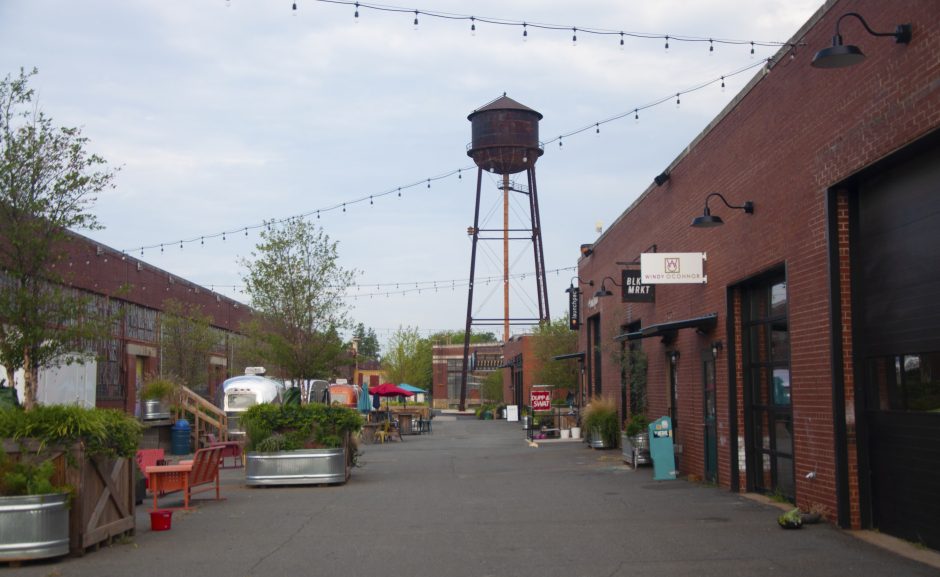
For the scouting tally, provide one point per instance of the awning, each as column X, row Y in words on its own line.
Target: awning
column 579, row 356
column 706, row 322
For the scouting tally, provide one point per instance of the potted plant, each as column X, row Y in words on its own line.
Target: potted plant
column 156, row 398
column 34, row 514
column 636, row 440
column 51, row 447
column 601, row 422
column 299, row 444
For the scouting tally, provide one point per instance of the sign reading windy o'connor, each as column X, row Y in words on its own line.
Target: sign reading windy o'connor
column 673, row 268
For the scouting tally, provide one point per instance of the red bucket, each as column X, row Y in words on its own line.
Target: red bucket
column 160, row 520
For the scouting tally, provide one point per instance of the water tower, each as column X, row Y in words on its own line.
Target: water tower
column 505, row 141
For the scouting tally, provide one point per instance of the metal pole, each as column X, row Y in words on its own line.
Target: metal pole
column 506, row 258
column 473, row 263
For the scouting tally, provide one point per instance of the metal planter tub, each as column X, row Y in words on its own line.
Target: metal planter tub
column 34, row 527
column 598, row 440
column 154, row 410
column 636, row 449
column 300, row 467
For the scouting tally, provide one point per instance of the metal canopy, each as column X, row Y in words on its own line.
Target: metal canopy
column 705, row 322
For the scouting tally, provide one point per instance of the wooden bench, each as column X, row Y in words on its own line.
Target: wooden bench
column 188, row 476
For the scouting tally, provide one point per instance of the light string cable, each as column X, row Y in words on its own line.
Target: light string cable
column 426, row 182
column 418, row 287
column 526, row 25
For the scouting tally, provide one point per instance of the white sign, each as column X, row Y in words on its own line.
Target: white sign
column 673, row 268
column 512, row 413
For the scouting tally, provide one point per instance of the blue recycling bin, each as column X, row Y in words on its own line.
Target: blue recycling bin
column 179, row 438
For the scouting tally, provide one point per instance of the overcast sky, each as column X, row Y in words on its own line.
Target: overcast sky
column 221, row 115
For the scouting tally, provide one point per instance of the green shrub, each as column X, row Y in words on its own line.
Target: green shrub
column 600, row 417
column 636, row 424
column 272, row 427
column 159, row 389
column 103, row 432
column 25, row 478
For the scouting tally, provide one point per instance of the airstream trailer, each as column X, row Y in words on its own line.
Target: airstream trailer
column 344, row 394
column 241, row 393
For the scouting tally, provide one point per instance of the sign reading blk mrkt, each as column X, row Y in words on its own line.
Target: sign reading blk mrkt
column 673, row 268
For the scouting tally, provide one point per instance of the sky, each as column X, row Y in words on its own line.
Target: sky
column 222, row 115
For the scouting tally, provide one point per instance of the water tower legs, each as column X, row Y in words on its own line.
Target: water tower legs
column 538, row 257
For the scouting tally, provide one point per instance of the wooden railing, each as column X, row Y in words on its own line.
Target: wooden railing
column 205, row 418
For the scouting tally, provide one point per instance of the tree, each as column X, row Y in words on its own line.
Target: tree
column 408, row 359
column 297, row 287
column 457, row 337
column 492, row 388
column 550, row 340
column 368, row 343
column 186, row 339
column 48, row 185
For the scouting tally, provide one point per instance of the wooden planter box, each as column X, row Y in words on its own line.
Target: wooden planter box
column 103, row 503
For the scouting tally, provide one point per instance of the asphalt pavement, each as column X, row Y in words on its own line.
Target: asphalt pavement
column 474, row 499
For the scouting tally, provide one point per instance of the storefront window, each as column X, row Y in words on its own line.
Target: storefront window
column 907, row 382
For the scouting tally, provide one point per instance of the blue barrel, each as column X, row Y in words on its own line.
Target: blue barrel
column 179, row 438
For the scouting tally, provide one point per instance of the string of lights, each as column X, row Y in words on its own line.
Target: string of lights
column 527, row 25
column 409, row 287
column 426, row 182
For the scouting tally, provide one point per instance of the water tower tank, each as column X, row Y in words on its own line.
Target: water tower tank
column 505, row 136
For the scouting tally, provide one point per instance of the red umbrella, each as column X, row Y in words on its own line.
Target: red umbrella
column 390, row 390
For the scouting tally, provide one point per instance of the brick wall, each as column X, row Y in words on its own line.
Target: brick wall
column 791, row 135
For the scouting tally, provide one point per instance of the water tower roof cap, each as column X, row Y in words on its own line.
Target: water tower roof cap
column 503, row 103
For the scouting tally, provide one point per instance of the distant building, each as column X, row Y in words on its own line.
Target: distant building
column 447, row 364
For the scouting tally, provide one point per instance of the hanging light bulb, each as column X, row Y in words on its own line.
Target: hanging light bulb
column 722, row 83
column 667, row 42
column 399, row 192
column 459, row 176
column 344, row 207
column 621, row 40
column 294, row 9
column 356, row 15
column 752, row 49
column 318, row 215
column 597, row 128
column 370, row 199
column 416, row 20
column 223, row 237
column 161, row 249
column 473, row 26
column 711, row 46
column 574, row 36
column 429, row 183
column 202, row 240
column 636, row 115
column 246, row 231
column 560, row 143
column 525, row 32
column 677, row 100
column 181, row 245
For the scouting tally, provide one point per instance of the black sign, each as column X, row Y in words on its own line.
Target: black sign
column 634, row 291
column 574, row 308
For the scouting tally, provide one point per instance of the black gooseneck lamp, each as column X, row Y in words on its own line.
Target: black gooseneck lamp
column 604, row 291
column 708, row 220
column 841, row 55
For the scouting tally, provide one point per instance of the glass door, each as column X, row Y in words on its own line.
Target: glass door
column 767, row 376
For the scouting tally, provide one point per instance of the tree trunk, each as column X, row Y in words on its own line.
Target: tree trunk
column 30, row 382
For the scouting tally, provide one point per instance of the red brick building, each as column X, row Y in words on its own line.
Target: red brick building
column 808, row 364
column 447, row 365
column 134, row 293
